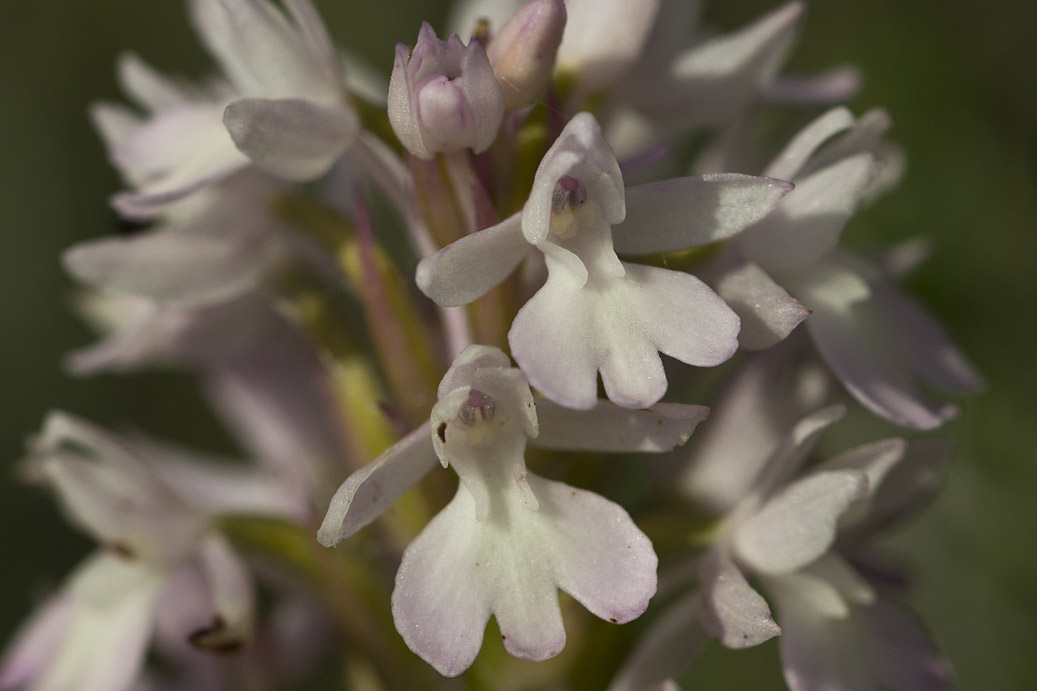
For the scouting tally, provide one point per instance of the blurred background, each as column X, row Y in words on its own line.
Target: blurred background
column 960, row 84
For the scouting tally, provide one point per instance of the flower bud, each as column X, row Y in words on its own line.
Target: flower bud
column 523, row 51
column 443, row 96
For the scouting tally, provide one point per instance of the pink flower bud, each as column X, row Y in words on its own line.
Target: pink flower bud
column 443, row 96
column 523, row 51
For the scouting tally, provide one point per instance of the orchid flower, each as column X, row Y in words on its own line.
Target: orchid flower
column 283, row 107
column 793, row 529
column 859, row 319
column 154, row 522
column 509, row 539
column 597, row 313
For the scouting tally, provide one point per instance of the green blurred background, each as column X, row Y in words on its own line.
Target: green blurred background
column 959, row 80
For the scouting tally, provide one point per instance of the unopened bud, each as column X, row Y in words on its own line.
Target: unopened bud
column 523, row 51
column 443, row 96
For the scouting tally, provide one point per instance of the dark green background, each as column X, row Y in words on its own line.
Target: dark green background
column 961, row 88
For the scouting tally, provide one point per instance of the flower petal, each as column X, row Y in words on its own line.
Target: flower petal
column 548, row 340
column 836, row 85
column 907, row 489
column 808, row 222
column 36, row 642
column 147, row 87
column 603, row 39
column 749, row 430
column 619, row 327
column 610, row 428
column 460, row 569
column 231, row 594
column 801, row 148
column 596, row 552
column 369, row 491
column 466, row 269
column 905, row 656
column 713, row 79
column 108, row 626
column 733, row 612
column 863, row 352
column 797, row 526
column 262, row 53
column 924, row 342
column 291, row 138
column 441, row 602
column 819, row 645
column 110, row 493
column 688, row 212
column 187, row 266
column 768, row 313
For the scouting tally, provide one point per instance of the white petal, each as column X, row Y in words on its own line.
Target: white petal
column 875, row 460
column 442, row 601
column 110, row 493
column 687, row 212
column 797, row 152
column 749, row 429
column 459, row 570
column 369, row 491
column 733, row 612
column 768, row 313
column 820, row 649
column 218, row 486
column 597, row 553
column 294, row 139
column 603, row 39
column 231, row 594
column 924, row 342
column 109, row 628
column 857, row 347
column 173, row 154
column 907, row 489
column 582, row 153
column 36, row 642
column 463, row 370
column 548, row 340
column 905, row 657
column 715, row 78
column 865, row 135
column 836, row 85
column 619, row 327
column 808, row 222
column 115, row 122
column 261, row 52
column 174, row 265
column 610, row 428
column 465, row 270
column 834, row 570
column 797, row 526
column 149, row 88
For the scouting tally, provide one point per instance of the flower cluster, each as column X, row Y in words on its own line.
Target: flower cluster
column 483, row 261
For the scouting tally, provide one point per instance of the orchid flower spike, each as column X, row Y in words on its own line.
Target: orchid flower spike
column 597, row 313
